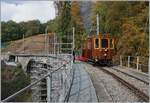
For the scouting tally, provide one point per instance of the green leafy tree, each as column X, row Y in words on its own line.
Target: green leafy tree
column 128, row 21
column 64, row 25
column 52, row 25
column 33, row 27
column 14, row 79
column 77, row 22
column 10, row 31
column 13, row 31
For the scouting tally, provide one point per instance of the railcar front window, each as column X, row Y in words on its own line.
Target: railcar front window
column 104, row 43
column 96, row 43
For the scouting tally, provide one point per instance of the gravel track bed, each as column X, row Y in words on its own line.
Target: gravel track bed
column 137, row 83
column 114, row 89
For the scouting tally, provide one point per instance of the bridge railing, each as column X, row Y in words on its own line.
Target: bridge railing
column 58, row 78
column 139, row 63
column 58, row 84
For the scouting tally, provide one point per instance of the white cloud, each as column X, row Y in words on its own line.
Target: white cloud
column 42, row 10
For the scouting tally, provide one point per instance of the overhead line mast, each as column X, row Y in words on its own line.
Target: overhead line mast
column 97, row 24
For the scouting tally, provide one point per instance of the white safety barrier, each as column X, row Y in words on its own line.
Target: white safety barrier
column 135, row 62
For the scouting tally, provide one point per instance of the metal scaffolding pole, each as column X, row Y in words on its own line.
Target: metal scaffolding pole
column 73, row 46
column 49, row 84
column 54, row 44
column 23, row 45
column 46, row 40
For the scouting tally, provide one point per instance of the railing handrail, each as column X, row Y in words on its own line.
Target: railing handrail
column 29, row 86
column 135, row 56
column 40, row 55
column 136, row 61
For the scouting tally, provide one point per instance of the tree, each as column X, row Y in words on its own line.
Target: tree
column 23, row 28
column 33, row 27
column 64, row 25
column 77, row 22
column 52, row 25
column 10, row 31
column 13, row 31
column 129, row 21
column 111, row 15
column 13, row 80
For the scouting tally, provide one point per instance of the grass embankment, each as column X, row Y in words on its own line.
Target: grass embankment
column 33, row 44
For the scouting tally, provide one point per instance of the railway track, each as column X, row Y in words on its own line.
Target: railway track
column 134, row 89
column 142, row 80
column 138, row 82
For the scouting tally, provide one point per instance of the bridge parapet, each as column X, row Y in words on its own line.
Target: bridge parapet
column 52, row 81
column 53, row 66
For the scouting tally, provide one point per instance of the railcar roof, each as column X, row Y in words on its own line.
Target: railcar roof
column 107, row 35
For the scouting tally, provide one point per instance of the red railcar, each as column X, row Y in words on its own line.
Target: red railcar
column 99, row 48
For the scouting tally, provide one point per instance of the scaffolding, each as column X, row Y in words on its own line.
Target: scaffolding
column 50, row 68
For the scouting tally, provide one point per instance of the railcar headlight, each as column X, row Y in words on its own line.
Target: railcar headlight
column 96, row 60
column 105, row 54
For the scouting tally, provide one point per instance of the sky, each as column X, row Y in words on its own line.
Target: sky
column 19, row 10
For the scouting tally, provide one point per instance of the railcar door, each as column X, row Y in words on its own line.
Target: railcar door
column 96, row 48
column 89, row 48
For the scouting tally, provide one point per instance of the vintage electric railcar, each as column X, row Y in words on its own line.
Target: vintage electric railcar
column 99, row 48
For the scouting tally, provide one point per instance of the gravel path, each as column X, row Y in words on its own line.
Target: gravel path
column 137, row 83
column 109, row 89
column 82, row 89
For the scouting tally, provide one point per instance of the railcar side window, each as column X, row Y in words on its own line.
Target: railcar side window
column 96, row 43
column 104, row 43
column 89, row 45
column 111, row 43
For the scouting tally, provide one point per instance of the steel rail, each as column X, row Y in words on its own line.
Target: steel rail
column 135, row 90
column 29, row 86
column 146, row 82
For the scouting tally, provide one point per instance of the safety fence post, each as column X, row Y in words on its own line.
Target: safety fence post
column 49, row 86
column 120, row 60
column 17, row 60
column 128, row 61
column 137, row 63
column 63, row 77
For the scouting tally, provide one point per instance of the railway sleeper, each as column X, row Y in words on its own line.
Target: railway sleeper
column 139, row 93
